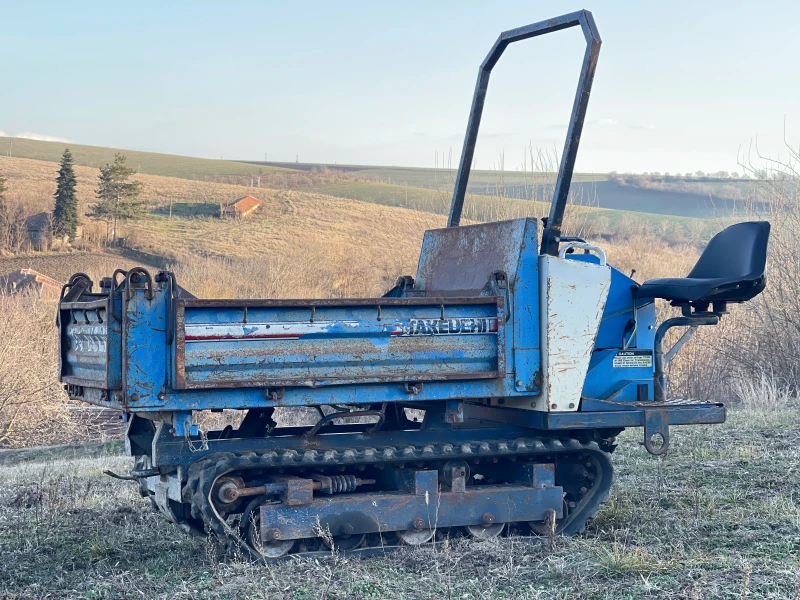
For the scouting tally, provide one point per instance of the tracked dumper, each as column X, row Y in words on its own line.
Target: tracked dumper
column 481, row 396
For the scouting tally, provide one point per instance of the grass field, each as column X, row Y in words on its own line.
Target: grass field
column 608, row 195
column 701, row 199
column 420, row 188
column 152, row 163
column 601, row 221
column 717, row 518
column 476, row 207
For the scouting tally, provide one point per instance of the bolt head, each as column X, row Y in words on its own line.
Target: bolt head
column 520, row 383
column 273, row 534
column 488, row 518
column 419, row 524
column 347, row 528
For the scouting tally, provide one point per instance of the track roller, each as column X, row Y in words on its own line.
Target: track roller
column 342, row 542
column 415, row 537
column 485, row 532
column 267, row 549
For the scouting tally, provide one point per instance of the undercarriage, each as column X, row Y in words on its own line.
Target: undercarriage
column 356, row 491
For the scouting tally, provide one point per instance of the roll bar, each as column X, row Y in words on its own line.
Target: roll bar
column 552, row 230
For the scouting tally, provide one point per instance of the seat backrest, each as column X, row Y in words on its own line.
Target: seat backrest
column 738, row 252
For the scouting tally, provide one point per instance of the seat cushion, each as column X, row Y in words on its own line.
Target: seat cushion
column 730, row 269
column 679, row 289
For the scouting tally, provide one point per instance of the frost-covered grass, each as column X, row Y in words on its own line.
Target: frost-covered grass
column 719, row 517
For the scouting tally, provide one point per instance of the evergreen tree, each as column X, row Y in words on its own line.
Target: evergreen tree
column 65, row 214
column 118, row 198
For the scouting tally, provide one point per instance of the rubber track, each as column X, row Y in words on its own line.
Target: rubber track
column 205, row 472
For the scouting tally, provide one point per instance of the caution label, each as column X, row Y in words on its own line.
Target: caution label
column 633, row 358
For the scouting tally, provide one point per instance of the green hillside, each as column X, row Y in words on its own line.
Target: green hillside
column 437, row 179
column 599, row 221
column 151, row 163
column 476, row 207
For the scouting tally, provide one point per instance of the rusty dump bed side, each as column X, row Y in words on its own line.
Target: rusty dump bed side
column 236, row 343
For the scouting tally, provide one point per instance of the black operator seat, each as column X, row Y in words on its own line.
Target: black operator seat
column 731, row 269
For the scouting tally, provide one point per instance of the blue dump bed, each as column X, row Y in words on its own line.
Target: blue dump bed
column 169, row 353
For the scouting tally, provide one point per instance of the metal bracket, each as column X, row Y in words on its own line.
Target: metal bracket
column 453, row 412
column 133, row 276
column 182, row 423
column 694, row 321
column 348, row 414
column 275, row 394
column 413, row 388
column 656, row 423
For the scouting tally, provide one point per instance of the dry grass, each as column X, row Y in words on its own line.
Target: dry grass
column 30, row 396
column 717, row 518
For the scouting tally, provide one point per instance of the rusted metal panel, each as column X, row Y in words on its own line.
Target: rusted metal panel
column 90, row 348
column 145, row 357
column 572, row 298
column 268, row 344
column 460, row 261
column 309, row 302
column 423, row 506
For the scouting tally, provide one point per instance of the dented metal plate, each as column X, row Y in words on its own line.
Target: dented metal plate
column 378, row 340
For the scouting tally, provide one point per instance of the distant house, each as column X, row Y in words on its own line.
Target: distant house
column 29, row 281
column 241, row 208
column 40, row 231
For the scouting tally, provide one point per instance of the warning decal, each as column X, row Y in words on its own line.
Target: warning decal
column 633, row 358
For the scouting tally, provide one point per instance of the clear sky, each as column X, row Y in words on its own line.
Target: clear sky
column 680, row 86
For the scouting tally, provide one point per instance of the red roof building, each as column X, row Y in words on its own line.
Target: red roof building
column 28, row 281
column 241, row 208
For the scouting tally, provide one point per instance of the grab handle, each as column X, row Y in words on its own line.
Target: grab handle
column 562, row 253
